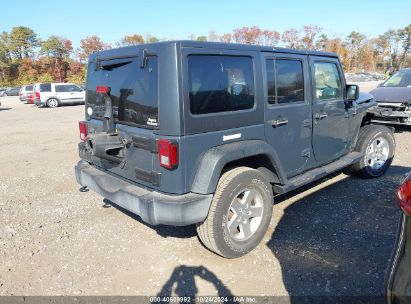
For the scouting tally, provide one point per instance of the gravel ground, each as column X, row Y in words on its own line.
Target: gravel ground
column 332, row 238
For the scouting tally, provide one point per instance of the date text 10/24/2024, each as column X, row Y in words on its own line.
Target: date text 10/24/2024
column 202, row 299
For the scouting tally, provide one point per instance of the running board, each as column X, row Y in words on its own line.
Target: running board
column 318, row 173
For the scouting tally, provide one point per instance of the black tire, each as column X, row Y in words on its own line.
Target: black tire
column 214, row 232
column 368, row 135
column 53, row 102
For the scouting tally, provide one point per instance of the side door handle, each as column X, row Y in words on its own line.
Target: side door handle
column 279, row 122
column 320, row 115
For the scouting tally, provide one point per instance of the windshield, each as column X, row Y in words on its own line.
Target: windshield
column 399, row 79
column 133, row 90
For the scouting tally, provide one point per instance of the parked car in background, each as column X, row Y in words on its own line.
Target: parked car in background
column 55, row 94
column 24, row 91
column 2, row 90
column 11, row 92
column 394, row 99
column 399, row 274
column 364, row 76
column 30, row 97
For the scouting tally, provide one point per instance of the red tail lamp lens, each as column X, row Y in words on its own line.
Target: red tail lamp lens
column 103, row 89
column 168, row 153
column 83, row 130
column 404, row 196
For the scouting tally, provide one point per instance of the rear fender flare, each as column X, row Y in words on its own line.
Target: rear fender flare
column 214, row 160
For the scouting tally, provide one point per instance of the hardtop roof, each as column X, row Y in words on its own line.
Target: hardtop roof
column 212, row 45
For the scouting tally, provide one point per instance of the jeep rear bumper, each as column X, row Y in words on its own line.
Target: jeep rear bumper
column 152, row 206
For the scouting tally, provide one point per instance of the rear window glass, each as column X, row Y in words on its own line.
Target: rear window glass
column 133, row 90
column 220, row 83
column 29, row 88
column 45, row 87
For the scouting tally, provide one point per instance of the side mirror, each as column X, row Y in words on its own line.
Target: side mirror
column 353, row 91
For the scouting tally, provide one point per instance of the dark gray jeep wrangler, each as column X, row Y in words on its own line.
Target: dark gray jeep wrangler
column 191, row 132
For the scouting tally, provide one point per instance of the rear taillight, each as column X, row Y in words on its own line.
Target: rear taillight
column 38, row 95
column 83, row 130
column 103, row 89
column 404, row 196
column 168, row 153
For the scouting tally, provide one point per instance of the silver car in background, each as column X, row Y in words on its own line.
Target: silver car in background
column 23, row 92
column 53, row 95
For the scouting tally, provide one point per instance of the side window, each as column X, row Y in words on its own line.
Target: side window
column 60, row 88
column 285, row 81
column 45, row 87
column 327, row 81
column 220, row 83
column 73, row 88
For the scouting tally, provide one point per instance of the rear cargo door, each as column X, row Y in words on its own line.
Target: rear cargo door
column 133, row 88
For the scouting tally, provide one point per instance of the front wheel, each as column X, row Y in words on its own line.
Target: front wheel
column 239, row 214
column 377, row 143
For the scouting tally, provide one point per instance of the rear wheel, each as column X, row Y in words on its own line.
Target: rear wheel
column 377, row 143
column 239, row 214
column 52, row 103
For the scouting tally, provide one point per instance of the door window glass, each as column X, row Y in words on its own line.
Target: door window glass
column 327, row 81
column 285, row 81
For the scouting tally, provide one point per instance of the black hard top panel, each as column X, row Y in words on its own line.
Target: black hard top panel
column 208, row 45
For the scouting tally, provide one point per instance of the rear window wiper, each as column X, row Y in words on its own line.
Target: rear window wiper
column 112, row 63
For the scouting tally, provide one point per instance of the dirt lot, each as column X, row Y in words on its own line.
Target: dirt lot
column 333, row 238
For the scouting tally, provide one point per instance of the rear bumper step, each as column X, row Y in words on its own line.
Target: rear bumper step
column 152, row 206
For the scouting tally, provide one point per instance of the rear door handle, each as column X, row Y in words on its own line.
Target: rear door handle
column 279, row 122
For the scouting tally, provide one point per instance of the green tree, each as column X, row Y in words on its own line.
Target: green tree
column 392, row 40
column 23, row 41
column 201, row 38
column 59, row 49
column 5, row 58
column 322, row 42
column 405, row 36
column 355, row 41
column 152, row 39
